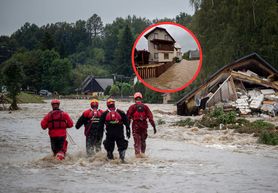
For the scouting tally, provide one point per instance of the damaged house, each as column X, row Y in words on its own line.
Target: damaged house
column 249, row 84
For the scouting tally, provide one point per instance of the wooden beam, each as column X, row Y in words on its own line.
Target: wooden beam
column 253, row 80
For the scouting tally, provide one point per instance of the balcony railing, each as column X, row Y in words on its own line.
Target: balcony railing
column 153, row 71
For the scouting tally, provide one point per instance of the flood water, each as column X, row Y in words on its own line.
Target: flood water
column 178, row 159
column 176, row 76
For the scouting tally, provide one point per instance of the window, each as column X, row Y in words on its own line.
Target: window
column 166, row 37
column 155, row 55
column 155, row 35
column 155, row 46
column 166, row 56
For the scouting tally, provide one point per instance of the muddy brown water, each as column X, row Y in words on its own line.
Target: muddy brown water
column 179, row 159
column 176, row 76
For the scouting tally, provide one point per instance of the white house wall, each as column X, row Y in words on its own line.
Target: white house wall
column 161, row 56
column 160, row 35
column 151, row 50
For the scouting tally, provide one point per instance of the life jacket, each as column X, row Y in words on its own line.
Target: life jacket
column 95, row 115
column 56, row 120
column 113, row 117
column 139, row 113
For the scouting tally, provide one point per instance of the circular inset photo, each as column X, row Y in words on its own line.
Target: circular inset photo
column 166, row 57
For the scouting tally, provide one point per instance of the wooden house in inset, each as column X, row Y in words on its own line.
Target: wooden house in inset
column 160, row 45
column 246, row 74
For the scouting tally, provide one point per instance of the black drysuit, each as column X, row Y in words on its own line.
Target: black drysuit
column 114, row 132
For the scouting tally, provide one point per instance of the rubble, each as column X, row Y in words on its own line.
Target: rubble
column 248, row 85
column 256, row 99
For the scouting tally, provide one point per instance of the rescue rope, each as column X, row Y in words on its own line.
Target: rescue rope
column 73, row 142
column 71, row 139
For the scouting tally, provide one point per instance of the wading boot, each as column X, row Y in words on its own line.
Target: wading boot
column 122, row 156
column 90, row 152
column 110, row 155
column 60, row 156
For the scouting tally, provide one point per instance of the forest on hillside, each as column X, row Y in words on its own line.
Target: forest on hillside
column 58, row 56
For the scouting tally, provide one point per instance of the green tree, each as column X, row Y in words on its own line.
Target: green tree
column 28, row 36
column 60, row 70
column 126, row 89
column 94, row 26
column 32, row 68
column 8, row 47
column 107, row 90
column 96, row 56
column 47, row 42
column 152, row 96
column 184, row 19
column 46, row 59
column 139, row 87
column 13, row 77
column 228, row 30
column 123, row 53
column 115, row 90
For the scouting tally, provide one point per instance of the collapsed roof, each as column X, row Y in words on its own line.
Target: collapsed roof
column 229, row 83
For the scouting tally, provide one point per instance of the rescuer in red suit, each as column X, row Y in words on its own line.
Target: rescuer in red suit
column 139, row 113
column 57, row 123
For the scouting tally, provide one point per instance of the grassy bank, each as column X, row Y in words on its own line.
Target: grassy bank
column 24, row 97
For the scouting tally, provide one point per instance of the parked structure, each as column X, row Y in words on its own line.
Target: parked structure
column 248, row 84
column 94, row 86
column 194, row 54
column 177, row 51
column 141, row 57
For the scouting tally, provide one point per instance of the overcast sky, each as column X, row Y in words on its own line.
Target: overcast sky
column 182, row 37
column 14, row 13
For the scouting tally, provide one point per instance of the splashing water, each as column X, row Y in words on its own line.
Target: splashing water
column 179, row 159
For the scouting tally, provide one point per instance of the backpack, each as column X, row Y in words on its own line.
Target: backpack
column 56, row 120
column 113, row 117
column 96, row 114
column 139, row 113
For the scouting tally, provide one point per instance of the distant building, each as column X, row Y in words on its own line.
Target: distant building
column 194, row 54
column 161, row 46
column 94, row 86
column 177, row 51
column 166, row 98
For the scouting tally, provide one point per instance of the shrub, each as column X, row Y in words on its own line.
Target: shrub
column 261, row 124
column 257, row 127
column 217, row 116
column 186, row 122
column 160, row 122
column 269, row 138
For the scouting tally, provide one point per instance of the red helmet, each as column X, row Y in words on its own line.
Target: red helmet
column 110, row 102
column 94, row 103
column 55, row 101
column 138, row 95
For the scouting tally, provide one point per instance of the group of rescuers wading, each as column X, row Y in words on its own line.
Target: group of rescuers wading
column 94, row 120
